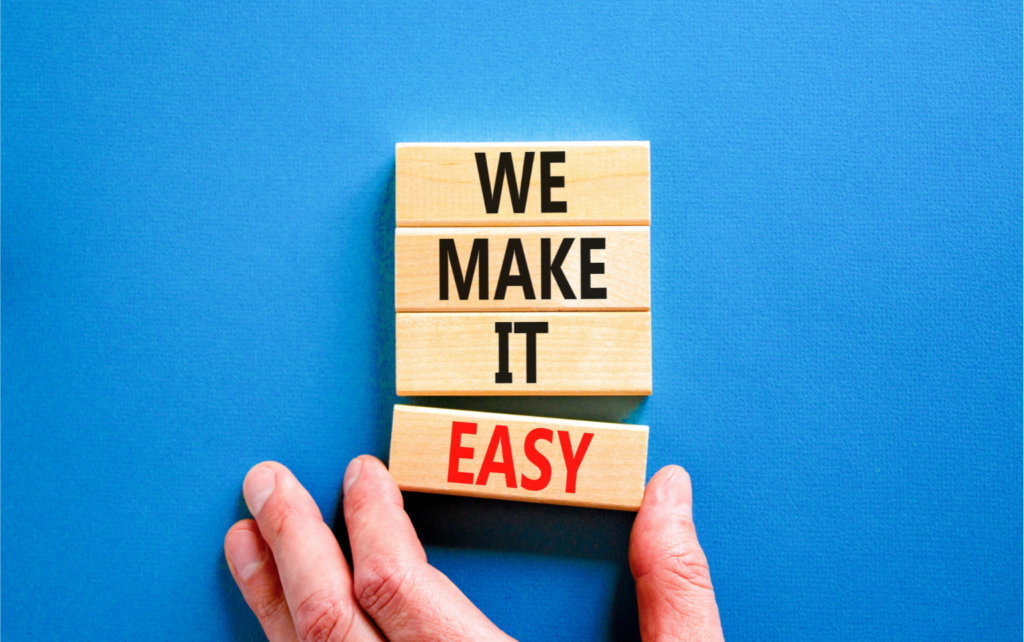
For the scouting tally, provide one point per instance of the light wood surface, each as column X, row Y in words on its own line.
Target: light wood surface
column 609, row 473
column 582, row 353
column 605, row 183
column 420, row 254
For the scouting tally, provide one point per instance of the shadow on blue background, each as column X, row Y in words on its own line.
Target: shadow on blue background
column 196, row 276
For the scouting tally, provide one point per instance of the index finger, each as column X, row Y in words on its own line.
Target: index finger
column 315, row 578
column 410, row 599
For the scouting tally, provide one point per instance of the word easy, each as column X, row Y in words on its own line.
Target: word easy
column 507, row 467
column 481, row 454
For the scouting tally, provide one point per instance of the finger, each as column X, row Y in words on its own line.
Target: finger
column 254, row 571
column 408, row 598
column 314, row 576
column 673, row 584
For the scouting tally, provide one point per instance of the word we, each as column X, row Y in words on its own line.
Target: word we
column 518, row 193
column 506, row 467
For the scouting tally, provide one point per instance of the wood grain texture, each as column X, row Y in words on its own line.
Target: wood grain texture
column 582, row 353
column 625, row 262
column 610, row 473
column 606, row 183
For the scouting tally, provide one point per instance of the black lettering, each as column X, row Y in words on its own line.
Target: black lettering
column 522, row 279
column 547, row 181
column 587, row 268
column 531, row 329
column 503, row 375
column 492, row 198
column 549, row 268
column 463, row 283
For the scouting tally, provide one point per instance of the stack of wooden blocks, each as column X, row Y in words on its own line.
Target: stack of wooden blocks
column 522, row 269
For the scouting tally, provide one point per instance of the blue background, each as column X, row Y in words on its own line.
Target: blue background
column 197, row 218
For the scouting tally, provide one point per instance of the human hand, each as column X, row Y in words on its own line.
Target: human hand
column 293, row 575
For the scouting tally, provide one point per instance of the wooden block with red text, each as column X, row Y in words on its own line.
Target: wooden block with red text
column 532, row 459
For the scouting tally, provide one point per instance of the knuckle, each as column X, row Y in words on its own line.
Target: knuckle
column 266, row 604
column 380, row 582
column 276, row 519
column 355, row 502
column 672, row 558
column 687, row 567
column 322, row 618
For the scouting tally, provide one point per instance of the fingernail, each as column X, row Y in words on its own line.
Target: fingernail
column 352, row 474
column 678, row 495
column 257, row 488
column 245, row 550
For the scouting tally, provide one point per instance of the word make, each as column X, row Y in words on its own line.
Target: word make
column 555, row 461
column 522, row 268
column 550, row 266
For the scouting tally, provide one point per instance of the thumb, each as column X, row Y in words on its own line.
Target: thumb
column 673, row 583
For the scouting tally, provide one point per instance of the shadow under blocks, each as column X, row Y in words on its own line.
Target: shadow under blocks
column 472, row 523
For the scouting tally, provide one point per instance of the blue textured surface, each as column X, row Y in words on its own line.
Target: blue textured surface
column 197, row 212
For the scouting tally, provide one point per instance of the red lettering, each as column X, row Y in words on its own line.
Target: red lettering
column 458, row 451
column 537, row 459
column 506, row 465
column 572, row 462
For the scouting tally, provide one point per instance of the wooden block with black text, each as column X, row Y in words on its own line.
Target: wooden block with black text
column 517, row 353
column 466, row 269
column 500, row 184
column 523, row 268
column 556, row 461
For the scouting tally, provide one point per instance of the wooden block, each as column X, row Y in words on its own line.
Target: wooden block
column 457, row 184
column 529, row 268
column 523, row 353
column 532, row 459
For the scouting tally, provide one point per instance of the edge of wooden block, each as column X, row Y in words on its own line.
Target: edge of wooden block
column 639, row 392
column 533, row 143
column 520, row 229
column 577, row 423
column 529, row 500
column 554, row 222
